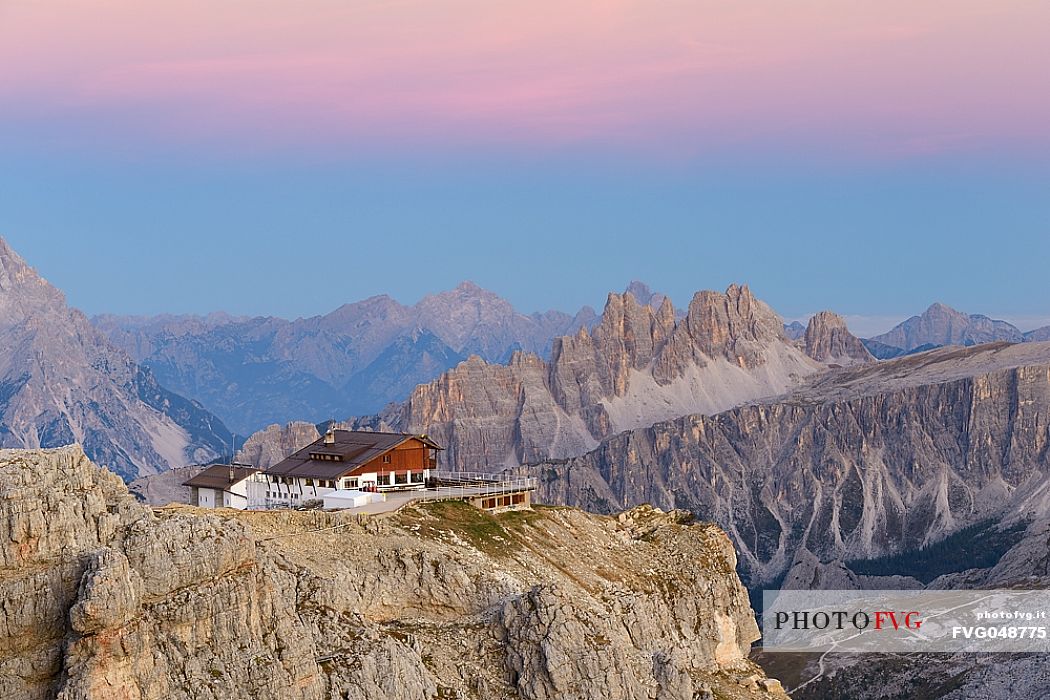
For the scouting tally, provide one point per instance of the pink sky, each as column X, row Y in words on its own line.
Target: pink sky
column 895, row 78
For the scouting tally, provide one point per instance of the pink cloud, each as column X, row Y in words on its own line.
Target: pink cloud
column 895, row 75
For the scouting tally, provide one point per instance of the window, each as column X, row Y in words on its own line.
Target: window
column 400, row 477
column 309, row 482
column 350, row 483
column 386, row 459
column 416, row 478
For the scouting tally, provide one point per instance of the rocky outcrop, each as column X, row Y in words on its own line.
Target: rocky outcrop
column 61, row 381
column 639, row 365
column 858, row 463
column 943, row 325
column 827, row 339
column 104, row 598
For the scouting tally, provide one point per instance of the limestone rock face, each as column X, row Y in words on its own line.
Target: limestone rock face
column 61, row 381
column 828, row 340
column 734, row 326
column 640, row 364
column 105, row 598
column 858, row 463
column 110, row 593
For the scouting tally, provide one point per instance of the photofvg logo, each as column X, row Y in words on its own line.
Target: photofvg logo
column 878, row 620
column 906, row 621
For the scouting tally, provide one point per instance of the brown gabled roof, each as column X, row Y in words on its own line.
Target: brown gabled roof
column 217, row 476
column 351, row 449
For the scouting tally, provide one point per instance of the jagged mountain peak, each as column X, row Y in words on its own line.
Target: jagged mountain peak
column 715, row 323
column 719, row 322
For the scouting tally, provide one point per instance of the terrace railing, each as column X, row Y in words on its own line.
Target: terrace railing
column 449, row 485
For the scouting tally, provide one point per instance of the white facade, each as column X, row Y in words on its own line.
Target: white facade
column 235, row 497
column 272, row 491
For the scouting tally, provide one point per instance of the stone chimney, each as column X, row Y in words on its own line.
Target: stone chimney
column 329, row 437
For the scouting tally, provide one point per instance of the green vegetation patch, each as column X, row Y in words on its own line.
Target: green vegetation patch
column 978, row 546
column 486, row 532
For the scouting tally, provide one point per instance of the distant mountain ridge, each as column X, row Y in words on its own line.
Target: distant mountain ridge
column 942, row 325
column 61, row 382
column 354, row 360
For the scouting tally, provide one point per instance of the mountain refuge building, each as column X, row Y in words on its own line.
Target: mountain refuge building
column 345, row 460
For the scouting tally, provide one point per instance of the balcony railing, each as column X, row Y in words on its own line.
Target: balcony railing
column 450, row 485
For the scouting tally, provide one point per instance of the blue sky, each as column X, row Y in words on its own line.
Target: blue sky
column 288, row 237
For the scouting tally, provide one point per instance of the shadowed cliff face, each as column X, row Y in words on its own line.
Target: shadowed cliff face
column 859, row 463
column 104, row 598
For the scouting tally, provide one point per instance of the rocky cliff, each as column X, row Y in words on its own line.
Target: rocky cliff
column 104, row 598
column 61, row 381
column 855, row 464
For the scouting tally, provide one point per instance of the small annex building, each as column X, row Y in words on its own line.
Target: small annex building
column 221, row 486
column 347, row 460
column 350, row 498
